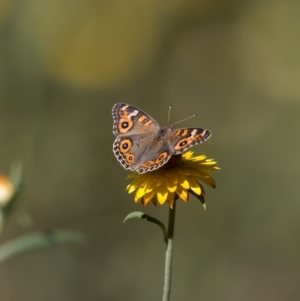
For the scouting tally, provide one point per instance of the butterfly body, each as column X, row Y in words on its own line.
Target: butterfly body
column 143, row 145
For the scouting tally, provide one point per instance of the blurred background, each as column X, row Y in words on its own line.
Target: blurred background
column 65, row 63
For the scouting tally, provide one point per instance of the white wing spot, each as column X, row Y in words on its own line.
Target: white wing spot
column 124, row 108
column 134, row 113
column 193, row 133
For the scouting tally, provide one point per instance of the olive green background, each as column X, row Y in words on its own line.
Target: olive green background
column 64, row 64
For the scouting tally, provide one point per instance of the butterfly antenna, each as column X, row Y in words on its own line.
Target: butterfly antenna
column 169, row 114
column 184, row 119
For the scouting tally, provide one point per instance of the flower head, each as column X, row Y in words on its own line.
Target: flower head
column 176, row 179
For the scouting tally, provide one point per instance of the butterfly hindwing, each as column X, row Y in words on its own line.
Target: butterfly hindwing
column 182, row 139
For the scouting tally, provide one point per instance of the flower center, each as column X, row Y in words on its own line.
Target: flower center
column 174, row 161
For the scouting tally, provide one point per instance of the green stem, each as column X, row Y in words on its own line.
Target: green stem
column 169, row 254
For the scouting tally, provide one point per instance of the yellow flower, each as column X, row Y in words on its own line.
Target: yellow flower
column 176, row 179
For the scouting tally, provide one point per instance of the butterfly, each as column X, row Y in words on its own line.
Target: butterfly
column 142, row 145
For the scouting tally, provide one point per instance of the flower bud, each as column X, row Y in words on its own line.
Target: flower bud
column 6, row 190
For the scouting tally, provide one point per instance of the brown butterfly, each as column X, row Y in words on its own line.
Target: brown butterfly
column 143, row 145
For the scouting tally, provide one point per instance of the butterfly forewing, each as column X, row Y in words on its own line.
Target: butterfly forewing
column 129, row 120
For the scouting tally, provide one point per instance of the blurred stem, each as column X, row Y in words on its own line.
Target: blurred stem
column 169, row 254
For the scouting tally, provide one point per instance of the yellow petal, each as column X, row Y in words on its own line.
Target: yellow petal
column 202, row 190
column 141, row 191
column 138, row 182
column 171, row 186
column 182, row 193
column 130, row 188
column 186, row 171
column 151, row 185
column 173, row 176
column 161, row 193
column 183, row 181
column 171, row 199
column 199, row 158
column 132, row 175
column 194, row 185
column 148, row 197
column 208, row 163
column 209, row 181
column 154, row 200
column 198, row 173
column 211, row 160
column 136, row 200
column 187, row 155
column 159, row 179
